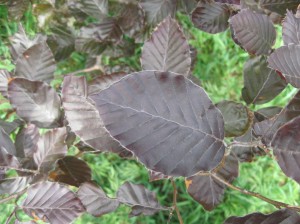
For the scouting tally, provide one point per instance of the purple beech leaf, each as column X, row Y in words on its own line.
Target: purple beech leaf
column 237, row 117
column 291, row 29
column 8, row 160
column 286, row 148
column 186, row 6
column 167, row 49
column 51, row 147
column 279, row 6
column 72, row 171
column 10, row 127
column 83, row 117
column 20, row 42
column 267, row 113
column 14, row 185
column 61, row 41
column 95, row 8
column 37, row 63
column 267, row 128
column 261, row 84
column 131, row 20
column 95, row 200
column 254, row 31
column 26, row 141
column 283, row 216
column 211, row 17
column 52, row 202
column 247, row 154
column 102, row 82
column 208, row 191
column 167, row 121
column 154, row 176
column 251, row 4
column 286, row 60
column 6, row 143
column 158, row 10
column 139, row 198
column 35, row 102
column 17, row 8
column 4, row 78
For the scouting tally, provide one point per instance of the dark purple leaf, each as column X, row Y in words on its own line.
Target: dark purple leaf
column 36, row 63
column 7, row 159
column 286, row 148
column 61, row 42
column 254, row 31
column 251, row 4
column 261, row 84
column 26, row 141
column 6, row 143
column 187, row 6
column 286, row 59
column 20, row 42
column 95, row 8
column 167, row 49
column 4, row 78
column 51, row 147
column 279, row 6
column 237, row 118
column 211, row 17
column 95, row 200
column 247, row 154
column 52, row 202
column 267, row 128
column 291, row 29
column 83, row 117
column 208, row 191
column 158, row 10
column 283, row 216
column 14, row 185
column 267, row 113
column 72, row 171
column 166, row 120
column 9, row 127
column 35, row 102
column 139, row 198
column 102, row 82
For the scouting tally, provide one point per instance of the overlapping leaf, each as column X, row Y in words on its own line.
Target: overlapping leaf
column 291, row 29
column 158, row 10
column 36, row 63
column 167, row 49
column 267, row 128
column 95, row 8
column 35, row 102
column 286, row 59
column 14, row 185
column 167, row 121
column 20, row 42
column 4, row 77
column 139, row 198
column 95, row 200
column 254, row 32
column 286, row 148
column 211, row 17
column 9, row 127
column 16, row 9
column 186, row 6
column 283, row 216
column 6, row 143
column 207, row 190
column 71, row 170
column 51, row 147
column 261, row 84
column 236, row 116
column 231, row 2
column 26, row 141
column 7, row 159
column 52, row 202
column 279, row 6
column 83, row 117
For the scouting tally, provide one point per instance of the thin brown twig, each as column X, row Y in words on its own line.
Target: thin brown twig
column 246, row 144
column 175, row 202
column 277, row 204
column 95, row 67
column 20, row 169
column 13, row 196
column 11, row 215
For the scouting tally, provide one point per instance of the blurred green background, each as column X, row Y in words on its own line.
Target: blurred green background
column 219, row 66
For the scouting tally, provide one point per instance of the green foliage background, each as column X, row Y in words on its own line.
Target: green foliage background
column 219, row 66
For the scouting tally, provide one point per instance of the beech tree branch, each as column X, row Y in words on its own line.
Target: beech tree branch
column 277, row 204
column 20, row 169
